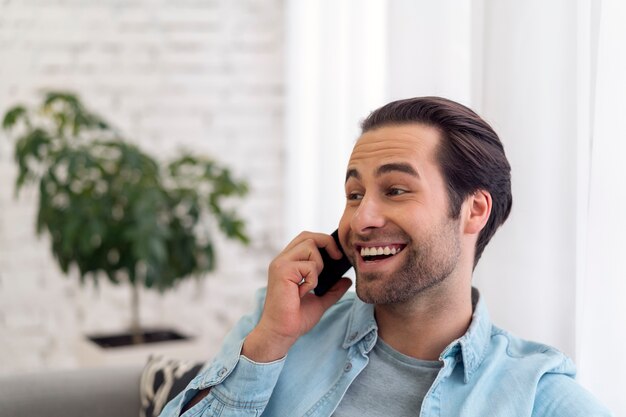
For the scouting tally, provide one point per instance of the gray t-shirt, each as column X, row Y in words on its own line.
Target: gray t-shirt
column 392, row 384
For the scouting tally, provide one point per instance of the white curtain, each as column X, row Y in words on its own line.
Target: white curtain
column 549, row 76
column 602, row 317
column 335, row 69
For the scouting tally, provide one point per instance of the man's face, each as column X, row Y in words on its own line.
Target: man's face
column 396, row 228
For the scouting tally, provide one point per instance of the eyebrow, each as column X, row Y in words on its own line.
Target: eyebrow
column 385, row 169
column 352, row 173
column 396, row 166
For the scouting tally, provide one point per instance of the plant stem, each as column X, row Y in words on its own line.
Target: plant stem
column 135, row 326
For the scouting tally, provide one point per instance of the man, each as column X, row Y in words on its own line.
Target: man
column 427, row 186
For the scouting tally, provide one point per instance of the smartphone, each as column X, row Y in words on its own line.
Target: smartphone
column 333, row 268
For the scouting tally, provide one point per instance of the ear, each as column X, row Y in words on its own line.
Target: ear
column 477, row 208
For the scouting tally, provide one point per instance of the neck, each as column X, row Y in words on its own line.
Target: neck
column 425, row 326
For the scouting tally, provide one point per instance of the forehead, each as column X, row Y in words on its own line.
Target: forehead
column 413, row 143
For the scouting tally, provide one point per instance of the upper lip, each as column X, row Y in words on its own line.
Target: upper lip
column 359, row 245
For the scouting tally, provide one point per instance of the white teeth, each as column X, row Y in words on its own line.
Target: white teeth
column 379, row 251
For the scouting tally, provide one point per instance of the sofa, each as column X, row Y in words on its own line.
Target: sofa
column 132, row 391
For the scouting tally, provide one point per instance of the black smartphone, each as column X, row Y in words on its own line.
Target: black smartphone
column 333, row 269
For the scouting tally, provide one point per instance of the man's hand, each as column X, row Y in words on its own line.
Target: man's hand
column 291, row 309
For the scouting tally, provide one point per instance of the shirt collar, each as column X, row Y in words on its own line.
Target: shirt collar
column 361, row 324
column 473, row 344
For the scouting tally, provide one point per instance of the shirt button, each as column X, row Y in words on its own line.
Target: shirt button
column 222, row 372
column 348, row 367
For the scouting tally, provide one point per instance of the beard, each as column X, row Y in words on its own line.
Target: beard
column 427, row 264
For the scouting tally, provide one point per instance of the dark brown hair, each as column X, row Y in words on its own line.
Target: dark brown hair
column 470, row 154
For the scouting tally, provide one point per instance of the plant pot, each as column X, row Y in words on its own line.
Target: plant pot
column 146, row 337
column 118, row 349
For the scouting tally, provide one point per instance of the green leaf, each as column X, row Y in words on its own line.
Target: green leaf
column 64, row 96
column 13, row 115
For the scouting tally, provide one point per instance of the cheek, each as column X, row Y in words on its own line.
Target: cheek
column 344, row 225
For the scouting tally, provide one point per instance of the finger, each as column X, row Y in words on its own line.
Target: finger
column 297, row 272
column 319, row 240
column 306, row 251
column 332, row 249
column 335, row 293
column 306, row 287
column 302, row 237
column 319, row 305
column 309, row 272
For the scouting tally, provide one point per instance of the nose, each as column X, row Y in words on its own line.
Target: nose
column 368, row 216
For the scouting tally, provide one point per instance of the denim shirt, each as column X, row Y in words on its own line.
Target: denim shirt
column 486, row 372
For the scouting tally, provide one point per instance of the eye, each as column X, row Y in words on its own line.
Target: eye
column 354, row 196
column 395, row 191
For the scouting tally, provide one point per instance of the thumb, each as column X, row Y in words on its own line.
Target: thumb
column 335, row 293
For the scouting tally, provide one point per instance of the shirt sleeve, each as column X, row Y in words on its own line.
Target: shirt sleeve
column 239, row 386
column 560, row 395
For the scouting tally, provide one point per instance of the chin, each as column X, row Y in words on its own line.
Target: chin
column 378, row 293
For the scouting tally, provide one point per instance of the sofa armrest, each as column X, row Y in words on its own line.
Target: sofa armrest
column 103, row 392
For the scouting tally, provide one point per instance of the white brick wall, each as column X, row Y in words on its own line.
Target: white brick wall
column 199, row 75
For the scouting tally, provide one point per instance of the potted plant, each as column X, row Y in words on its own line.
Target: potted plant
column 111, row 210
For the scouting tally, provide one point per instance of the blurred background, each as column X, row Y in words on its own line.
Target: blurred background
column 275, row 90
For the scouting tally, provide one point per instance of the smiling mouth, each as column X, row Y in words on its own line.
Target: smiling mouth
column 377, row 253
